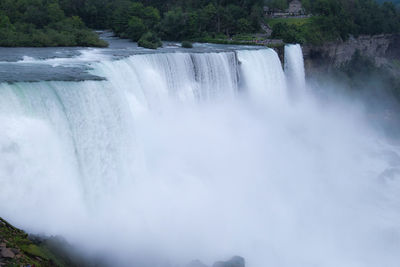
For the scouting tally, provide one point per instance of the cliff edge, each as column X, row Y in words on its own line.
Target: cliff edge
column 384, row 49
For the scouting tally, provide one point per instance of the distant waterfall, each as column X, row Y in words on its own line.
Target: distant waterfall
column 294, row 68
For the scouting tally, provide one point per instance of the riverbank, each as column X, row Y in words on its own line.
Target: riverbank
column 17, row 248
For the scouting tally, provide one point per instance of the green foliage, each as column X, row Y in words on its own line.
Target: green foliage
column 227, row 42
column 187, row 44
column 63, row 22
column 30, row 254
column 42, row 23
column 150, row 40
column 55, row 13
column 244, row 26
column 289, row 33
column 135, row 29
column 173, row 25
column 291, row 20
column 338, row 19
column 151, row 16
column 277, row 4
column 170, row 19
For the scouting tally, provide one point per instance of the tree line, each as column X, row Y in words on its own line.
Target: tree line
column 170, row 19
column 67, row 22
column 42, row 23
column 338, row 19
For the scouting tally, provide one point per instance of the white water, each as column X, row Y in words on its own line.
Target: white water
column 175, row 156
column 294, row 67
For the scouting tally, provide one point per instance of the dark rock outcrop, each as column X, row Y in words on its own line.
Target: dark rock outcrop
column 234, row 262
column 7, row 253
column 17, row 250
column 196, row 263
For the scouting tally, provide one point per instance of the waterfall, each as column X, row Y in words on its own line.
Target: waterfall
column 262, row 75
column 198, row 156
column 294, row 67
column 153, row 80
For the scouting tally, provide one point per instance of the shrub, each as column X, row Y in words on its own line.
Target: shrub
column 187, row 44
column 150, row 40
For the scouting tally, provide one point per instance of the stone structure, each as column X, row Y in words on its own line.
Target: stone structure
column 295, row 8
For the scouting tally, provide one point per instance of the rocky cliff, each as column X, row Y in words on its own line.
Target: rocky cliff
column 384, row 49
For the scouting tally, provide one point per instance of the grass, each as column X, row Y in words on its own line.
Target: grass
column 245, row 37
column 40, row 252
column 238, row 41
column 396, row 62
column 290, row 21
column 225, row 41
column 30, row 253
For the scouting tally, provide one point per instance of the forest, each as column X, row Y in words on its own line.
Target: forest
column 70, row 22
column 42, row 23
column 338, row 19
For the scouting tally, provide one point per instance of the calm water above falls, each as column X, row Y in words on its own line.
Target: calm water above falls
column 193, row 154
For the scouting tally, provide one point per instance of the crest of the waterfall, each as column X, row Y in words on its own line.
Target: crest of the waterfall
column 294, row 68
column 153, row 81
column 262, row 75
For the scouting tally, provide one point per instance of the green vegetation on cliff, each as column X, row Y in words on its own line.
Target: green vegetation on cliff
column 19, row 249
column 16, row 249
column 338, row 19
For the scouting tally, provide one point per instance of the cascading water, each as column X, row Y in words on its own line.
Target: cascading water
column 168, row 156
column 151, row 81
column 294, row 67
column 270, row 87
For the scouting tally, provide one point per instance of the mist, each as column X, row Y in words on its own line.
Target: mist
column 180, row 156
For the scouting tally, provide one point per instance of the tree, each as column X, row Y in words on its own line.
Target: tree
column 208, row 18
column 244, row 25
column 55, row 13
column 5, row 23
column 135, row 29
column 277, row 4
column 150, row 16
column 173, row 25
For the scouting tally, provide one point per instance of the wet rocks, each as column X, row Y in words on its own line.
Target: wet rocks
column 17, row 250
column 6, row 253
column 234, row 262
column 196, row 263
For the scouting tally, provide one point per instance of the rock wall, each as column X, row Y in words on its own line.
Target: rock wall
column 382, row 48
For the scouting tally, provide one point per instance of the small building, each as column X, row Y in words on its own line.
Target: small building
column 295, row 8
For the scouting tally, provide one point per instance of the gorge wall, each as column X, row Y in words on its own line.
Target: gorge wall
column 384, row 49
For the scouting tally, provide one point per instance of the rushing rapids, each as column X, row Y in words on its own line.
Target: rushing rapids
column 199, row 155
